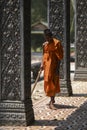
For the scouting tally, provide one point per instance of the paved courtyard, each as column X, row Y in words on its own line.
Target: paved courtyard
column 71, row 113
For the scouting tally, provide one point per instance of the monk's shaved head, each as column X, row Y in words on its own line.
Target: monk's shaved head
column 47, row 32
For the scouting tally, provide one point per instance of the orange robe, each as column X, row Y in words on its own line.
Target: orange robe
column 52, row 54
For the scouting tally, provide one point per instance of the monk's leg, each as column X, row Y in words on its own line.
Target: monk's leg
column 53, row 99
column 51, row 104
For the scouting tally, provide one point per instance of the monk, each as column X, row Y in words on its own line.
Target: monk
column 52, row 54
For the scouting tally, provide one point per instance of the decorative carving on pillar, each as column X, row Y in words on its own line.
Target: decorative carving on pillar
column 10, row 50
column 56, row 22
column 56, row 18
column 15, row 59
column 81, row 40
column 59, row 24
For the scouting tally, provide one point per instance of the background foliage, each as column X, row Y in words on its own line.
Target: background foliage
column 39, row 13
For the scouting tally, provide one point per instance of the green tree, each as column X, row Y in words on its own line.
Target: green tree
column 38, row 10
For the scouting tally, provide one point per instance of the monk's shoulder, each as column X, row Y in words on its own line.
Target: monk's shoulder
column 45, row 43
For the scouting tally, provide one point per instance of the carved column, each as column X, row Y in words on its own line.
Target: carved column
column 81, row 40
column 15, row 60
column 59, row 23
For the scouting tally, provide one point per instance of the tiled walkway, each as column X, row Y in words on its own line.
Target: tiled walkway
column 71, row 113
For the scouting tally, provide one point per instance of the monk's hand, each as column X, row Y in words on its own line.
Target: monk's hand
column 41, row 67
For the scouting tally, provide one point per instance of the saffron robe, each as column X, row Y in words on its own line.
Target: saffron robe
column 52, row 54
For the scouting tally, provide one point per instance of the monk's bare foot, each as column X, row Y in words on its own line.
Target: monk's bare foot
column 50, row 102
column 52, row 106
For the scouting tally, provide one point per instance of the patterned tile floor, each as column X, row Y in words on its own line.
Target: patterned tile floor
column 71, row 113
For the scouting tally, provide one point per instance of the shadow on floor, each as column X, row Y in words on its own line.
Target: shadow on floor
column 64, row 106
column 76, row 121
column 80, row 95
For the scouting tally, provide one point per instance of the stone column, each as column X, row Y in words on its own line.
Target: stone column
column 81, row 41
column 15, row 61
column 59, row 23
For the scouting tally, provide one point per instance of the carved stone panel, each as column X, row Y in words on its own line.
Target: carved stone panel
column 81, row 33
column 81, row 40
column 10, row 50
column 56, row 17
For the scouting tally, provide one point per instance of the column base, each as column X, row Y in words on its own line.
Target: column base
column 80, row 74
column 16, row 113
column 66, row 89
